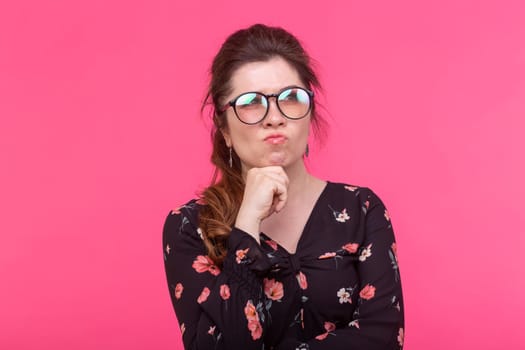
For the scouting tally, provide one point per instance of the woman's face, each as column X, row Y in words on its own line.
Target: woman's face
column 276, row 140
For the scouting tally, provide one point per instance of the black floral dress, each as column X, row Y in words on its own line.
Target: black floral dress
column 340, row 290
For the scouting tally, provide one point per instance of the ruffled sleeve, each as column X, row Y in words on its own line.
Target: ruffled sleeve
column 217, row 308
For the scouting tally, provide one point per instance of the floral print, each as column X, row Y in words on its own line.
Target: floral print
column 329, row 327
column 401, row 336
column 203, row 263
column 225, row 292
column 178, row 290
column 366, row 253
column 254, row 325
column 340, row 216
column 301, row 279
column 204, row 295
column 351, row 247
column 240, row 255
column 393, row 247
column 342, row 286
column 387, row 215
column 344, row 295
column 354, row 323
column 368, row 292
column 327, row 255
column 272, row 244
column 273, row 289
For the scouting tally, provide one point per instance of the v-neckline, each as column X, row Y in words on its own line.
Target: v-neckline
column 306, row 225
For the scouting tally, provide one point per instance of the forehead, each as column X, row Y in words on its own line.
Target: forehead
column 267, row 77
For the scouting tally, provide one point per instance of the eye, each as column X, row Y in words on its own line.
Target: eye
column 288, row 95
column 294, row 95
column 250, row 99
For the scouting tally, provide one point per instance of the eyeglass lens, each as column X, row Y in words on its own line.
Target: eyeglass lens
column 252, row 107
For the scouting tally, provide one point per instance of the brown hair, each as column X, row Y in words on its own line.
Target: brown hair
column 258, row 43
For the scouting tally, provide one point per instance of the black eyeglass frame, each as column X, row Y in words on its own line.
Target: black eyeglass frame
column 232, row 103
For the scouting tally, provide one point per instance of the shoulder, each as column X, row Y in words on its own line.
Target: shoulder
column 183, row 221
column 352, row 192
column 357, row 197
column 365, row 203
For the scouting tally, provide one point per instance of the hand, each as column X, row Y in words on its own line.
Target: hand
column 265, row 193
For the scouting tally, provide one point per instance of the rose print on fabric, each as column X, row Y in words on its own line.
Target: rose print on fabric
column 351, row 247
column 345, row 295
column 329, row 327
column 393, row 247
column 216, row 335
column 401, row 336
column 327, row 255
column 351, row 188
column 240, row 255
column 182, row 328
column 254, row 326
column 332, row 255
column 340, row 216
column 366, row 253
column 168, row 249
column 224, row 292
column 204, row 295
column 354, row 323
column 343, row 216
column 203, row 263
column 272, row 244
column 199, row 232
column 273, row 289
column 301, row 279
column 368, row 292
column 178, row 290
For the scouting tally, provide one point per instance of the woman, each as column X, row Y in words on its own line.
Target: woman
column 271, row 257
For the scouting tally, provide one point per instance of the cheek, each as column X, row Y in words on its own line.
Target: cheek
column 240, row 133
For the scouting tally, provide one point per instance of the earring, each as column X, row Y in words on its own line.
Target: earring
column 307, row 152
column 231, row 160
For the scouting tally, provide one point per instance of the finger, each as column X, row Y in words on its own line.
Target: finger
column 281, row 197
column 277, row 170
column 276, row 178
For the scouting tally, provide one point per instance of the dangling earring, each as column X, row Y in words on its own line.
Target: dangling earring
column 307, row 152
column 231, row 160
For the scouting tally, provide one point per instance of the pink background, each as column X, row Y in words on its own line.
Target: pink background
column 101, row 136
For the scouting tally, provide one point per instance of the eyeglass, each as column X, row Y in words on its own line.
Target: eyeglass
column 293, row 102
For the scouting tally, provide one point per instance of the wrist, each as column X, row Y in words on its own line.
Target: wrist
column 249, row 225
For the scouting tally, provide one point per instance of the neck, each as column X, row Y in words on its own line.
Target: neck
column 299, row 178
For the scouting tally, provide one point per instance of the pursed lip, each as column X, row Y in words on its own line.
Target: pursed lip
column 275, row 138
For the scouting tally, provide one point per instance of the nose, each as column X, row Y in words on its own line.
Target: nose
column 274, row 116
